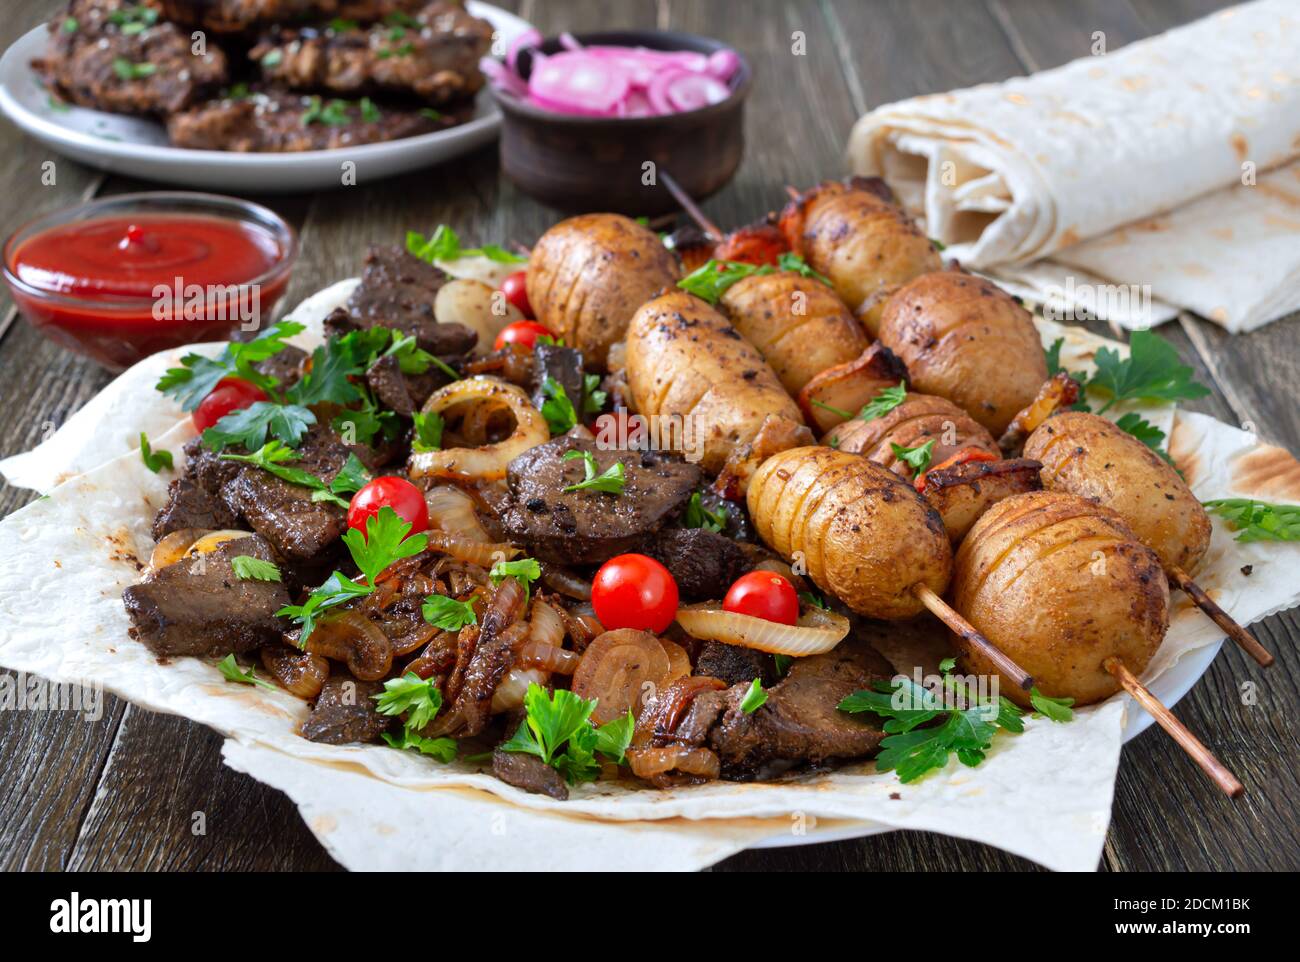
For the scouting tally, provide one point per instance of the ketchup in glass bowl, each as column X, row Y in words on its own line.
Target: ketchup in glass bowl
column 122, row 278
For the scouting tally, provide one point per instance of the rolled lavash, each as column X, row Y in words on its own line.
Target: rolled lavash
column 1009, row 173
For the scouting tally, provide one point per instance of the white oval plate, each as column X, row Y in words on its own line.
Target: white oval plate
column 139, row 147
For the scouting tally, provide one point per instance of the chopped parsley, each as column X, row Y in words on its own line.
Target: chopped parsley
column 126, row 70
column 230, row 669
column 333, row 113
column 610, row 481
column 155, row 461
column 754, row 698
column 593, row 398
column 428, row 431
column 557, row 408
column 448, row 613
column 369, row 112
column 885, row 401
column 698, row 516
column 1258, row 520
column 523, row 570
column 271, row 457
column 194, row 380
column 558, row 730
column 250, row 426
column 1144, row 431
column 917, row 458
column 248, row 568
column 444, row 245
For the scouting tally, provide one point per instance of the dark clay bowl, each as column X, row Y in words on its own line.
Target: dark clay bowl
column 597, row 163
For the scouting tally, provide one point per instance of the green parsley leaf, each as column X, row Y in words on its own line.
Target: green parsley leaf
column 610, row 481
column 443, row 749
column 812, row 600
column 448, row 613
column 557, row 408
column 938, row 245
column 126, row 70
column 341, row 24
column 230, row 669
column 838, row 412
column 248, row 568
column 249, row 426
column 271, row 456
column 384, row 542
column 1144, row 431
column 428, row 431
column 783, row 663
column 369, row 112
column 593, row 398
column 612, row 738
column 400, row 18
column 1258, row 520
column 712, row 279
column 885, row 401
column 336, row 590
column 754, row 699
column 1152, row 372
column 272, row 58
column 194, row 380
column 155, row 461
column 411, row 358
column 1057, row 709
column 428, row 113
column 790, row 261
column 71, row 25
column 917, row 457
column 332, row 366
column 1053, row 355
column 523, row 570
column 698, row 516
column 412, row 694
column 444, row 245
column 558, row 730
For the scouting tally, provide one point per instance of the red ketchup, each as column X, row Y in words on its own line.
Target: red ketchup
column 121, row 287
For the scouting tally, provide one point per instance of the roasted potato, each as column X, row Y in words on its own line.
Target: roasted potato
column 1060, row 584
column 864, row 534
column 797, row 323
column 866, row 245
column 920, row 418
column 962, row 493
column 587, row 276
column 966, row 339
column 847, row 387
column 1087, row 455
column 685, row 360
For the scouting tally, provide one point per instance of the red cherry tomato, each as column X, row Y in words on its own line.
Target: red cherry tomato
column 391, row 492
column 766, row 595
column 515, row 288
column 522, row 332
column 230, row 394
column 633, row 591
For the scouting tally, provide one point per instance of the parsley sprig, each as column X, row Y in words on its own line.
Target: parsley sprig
column 712, row 279
column 918, row 457
column 248, row 568
column 231, row 671
column 194, row 380
column 384, row 542
column 523, row 570
column 755, row 698
column 558, row 730
column 610, row 481
column 444, row 245
column 155, row 461
column 1144, row 431
column 271, row 457
column 449, row 614
column 1258, row 520
column 698, row 516
column 558, row 410
column 419, row 700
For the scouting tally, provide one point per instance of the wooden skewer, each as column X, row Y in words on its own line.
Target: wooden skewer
column 693, row 209
column 965, row 630
column 1240, row 635
column 1177, row 731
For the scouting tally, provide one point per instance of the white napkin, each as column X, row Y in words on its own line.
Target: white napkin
column 1169, row 163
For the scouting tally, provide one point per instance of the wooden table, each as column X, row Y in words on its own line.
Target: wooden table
column 118, row 794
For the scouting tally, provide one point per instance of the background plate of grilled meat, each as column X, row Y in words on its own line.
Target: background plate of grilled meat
column 139, row 147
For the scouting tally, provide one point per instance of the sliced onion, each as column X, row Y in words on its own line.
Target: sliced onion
column 685, row 90
column 297, row 672
column 471, row 551
column 189, row 543
column 552, row 658
column 679, row 663
column 545, row 624
column 817, row 631
column 510, row 693
column 618, row 669
column 529, row 38
column 723, row 63
column 576, row 82
column 569, row 42
column 487, row 462
column 649, row 762
column 452, row 510
column 351, row 637
column 564, row 581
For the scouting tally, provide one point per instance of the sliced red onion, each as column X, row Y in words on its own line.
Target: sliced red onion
column 529, row 38
column 580, row 82
column 723, row 63
column 569, row 42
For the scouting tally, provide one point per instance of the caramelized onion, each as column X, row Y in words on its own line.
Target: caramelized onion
column 510, row 693
column 697, row 762
column 473, row 552
column 297, row 672
column 452, row 510
column 351, row 637
column 565, row 582
column 817, row 630
column 489, row 461
column 618, row 670
column 552, row 658
column 679, row 663
column 545, row 624
column 188, row 542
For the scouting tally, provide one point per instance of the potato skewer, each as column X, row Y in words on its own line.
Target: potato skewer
column 1068, row 590
column 866, row 537
column 1088, row 455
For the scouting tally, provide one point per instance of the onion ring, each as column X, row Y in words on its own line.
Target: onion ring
column 452, row 510
column 817, row 630
column 353, row 638
column 486, row 463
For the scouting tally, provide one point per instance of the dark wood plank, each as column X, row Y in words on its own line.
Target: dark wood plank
column 1257, row 742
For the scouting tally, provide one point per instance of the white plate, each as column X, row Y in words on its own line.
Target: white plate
column 139, row 148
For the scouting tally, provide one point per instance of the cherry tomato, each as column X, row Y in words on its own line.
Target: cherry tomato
column 230, row 394
column 634, row 591
column 766, row 595
column 515, row 288
column 522, row 332
column 391, row 492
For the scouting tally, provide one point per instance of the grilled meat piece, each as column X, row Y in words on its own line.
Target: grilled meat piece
column 118, row 56
column 587, row 527
column 397, row 290
column 403, row 393
column 432, row 56
column 799, row 722
column 734, row 664
column 284, row 513
column 564, row 366
column 241, row 16
column 703, row 563
column 345, row 712
column 529, row 773
column 276, row 121
column 198, row 607
column 190, row 505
